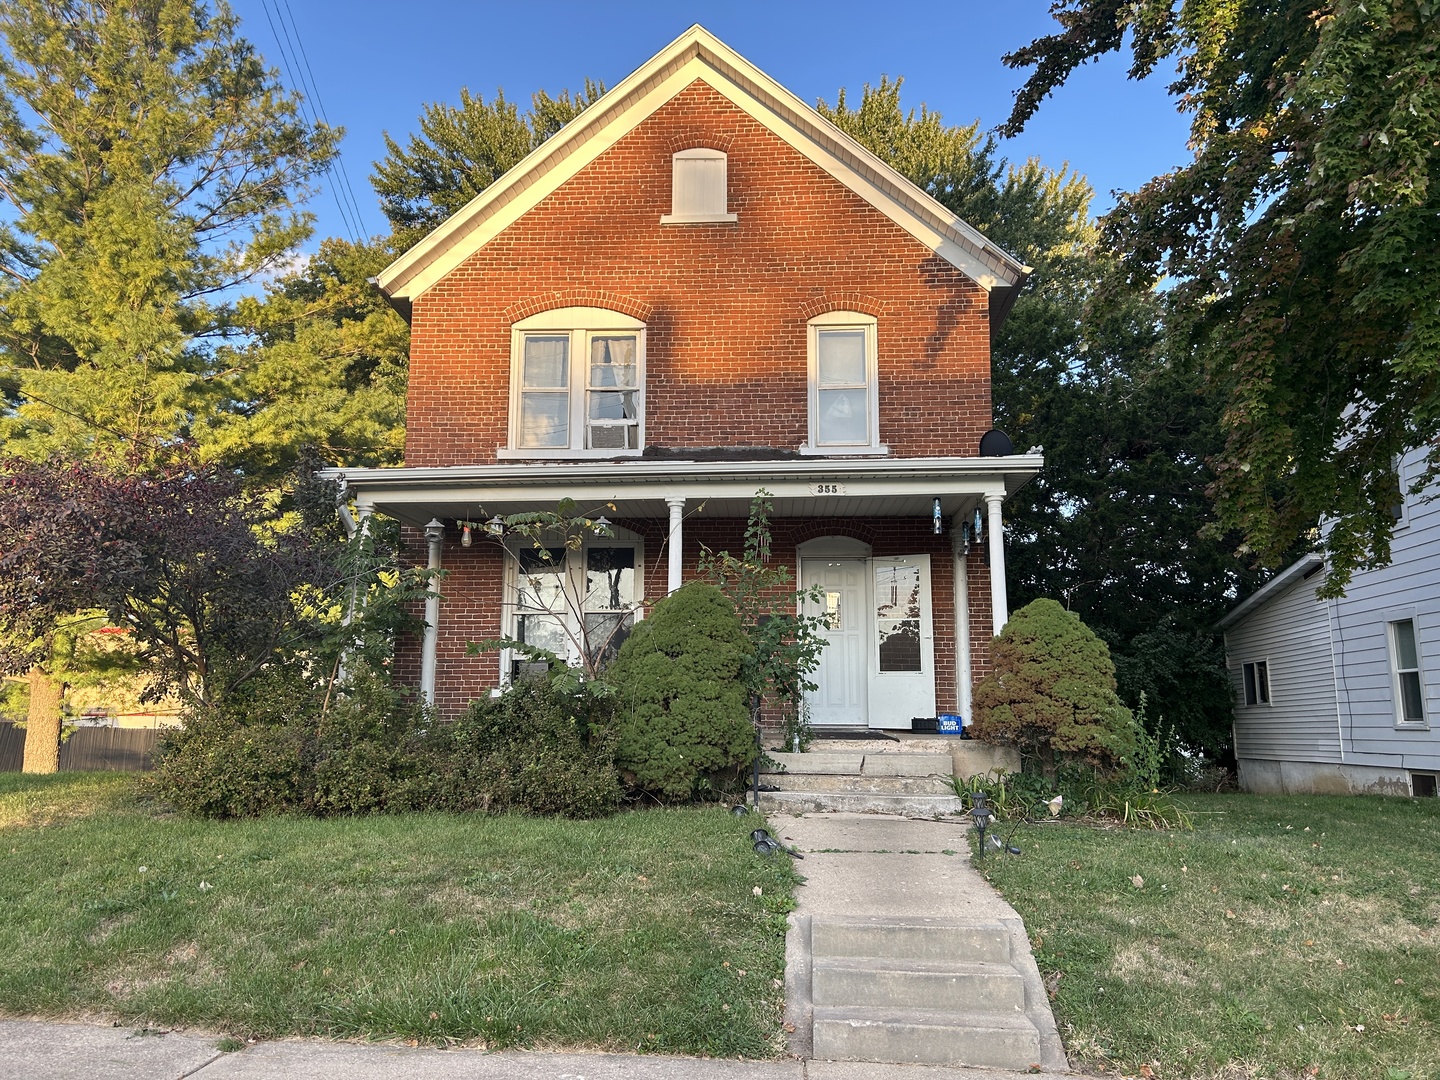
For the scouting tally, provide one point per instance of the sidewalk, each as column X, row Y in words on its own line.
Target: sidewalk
column 858, row 865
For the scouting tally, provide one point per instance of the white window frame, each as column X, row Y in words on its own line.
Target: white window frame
column 580, row 324
column 1252, row 673
column 1401, row 504
column 844, row 320
column 1397, row 672
column 678, row 216
column 572, row 573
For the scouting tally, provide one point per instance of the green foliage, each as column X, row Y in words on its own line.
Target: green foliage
column 1052, row 691
column 460, row 151
column 151, row 164
column 682, row 718
column 784, row 646
column 275, row 749
column 537, row 748
column 1302, row 243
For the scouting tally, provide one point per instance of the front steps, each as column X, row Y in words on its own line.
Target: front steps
column 922, row 991
column 871, row 781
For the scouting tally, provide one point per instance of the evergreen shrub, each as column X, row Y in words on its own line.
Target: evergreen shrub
column 1051, row 692
column 682, row 720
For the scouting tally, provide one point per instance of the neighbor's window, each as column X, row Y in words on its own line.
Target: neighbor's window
column 1257, row 683
column 577, row 384
column 844, row 413
column 699, row 188
column 1405, row 672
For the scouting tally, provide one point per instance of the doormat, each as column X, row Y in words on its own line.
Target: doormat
column 851, row 733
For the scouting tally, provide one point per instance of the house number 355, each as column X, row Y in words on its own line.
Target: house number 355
column 827, row 489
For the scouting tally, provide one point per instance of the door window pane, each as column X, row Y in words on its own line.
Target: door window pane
column 610, row 595
column 540, row 599
column 897, row 617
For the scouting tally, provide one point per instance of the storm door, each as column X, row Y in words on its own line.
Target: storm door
column 842, row 699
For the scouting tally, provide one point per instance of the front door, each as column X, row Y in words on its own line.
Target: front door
column 843, row 697
column 878, row 668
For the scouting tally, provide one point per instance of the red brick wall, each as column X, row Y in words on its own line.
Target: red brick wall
column 471, row 590
column 725, row 305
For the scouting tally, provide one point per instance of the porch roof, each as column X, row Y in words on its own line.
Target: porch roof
column 809, row 487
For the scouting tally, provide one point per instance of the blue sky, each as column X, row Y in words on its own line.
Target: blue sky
column 377, row 65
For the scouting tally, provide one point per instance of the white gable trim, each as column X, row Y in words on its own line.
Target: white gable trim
column 697, row 55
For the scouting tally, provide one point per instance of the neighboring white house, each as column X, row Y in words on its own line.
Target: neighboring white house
column 1343, row 696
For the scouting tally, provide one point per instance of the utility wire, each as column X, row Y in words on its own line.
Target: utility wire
column 315, row 89
column 295, row 78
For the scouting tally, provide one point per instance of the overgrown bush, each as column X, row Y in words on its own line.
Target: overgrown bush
column 538, row 748
column 535, row 749
column 682, row 720
column 1051, row 692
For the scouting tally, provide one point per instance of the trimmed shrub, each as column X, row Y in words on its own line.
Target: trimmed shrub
column 682, row 719
column 1052, row 692
column 536, row 749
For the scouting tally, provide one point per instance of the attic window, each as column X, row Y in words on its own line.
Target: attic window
column 698, row 188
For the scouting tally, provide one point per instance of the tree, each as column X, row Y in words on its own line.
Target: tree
column 460, row 151
column 1052, row 691
column 152, row 166
column 1117, row 525
column 1303, row 241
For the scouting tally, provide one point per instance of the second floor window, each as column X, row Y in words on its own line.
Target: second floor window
column 577, row 384
column 844, row 417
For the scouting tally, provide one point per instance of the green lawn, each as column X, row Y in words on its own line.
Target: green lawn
column 640, row 932
column 1281, row 936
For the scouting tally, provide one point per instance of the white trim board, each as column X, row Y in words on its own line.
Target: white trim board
column 697, row 55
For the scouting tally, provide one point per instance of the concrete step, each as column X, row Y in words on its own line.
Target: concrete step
column 908, row 765
column 880, row 785
column 918, row 984
column 819, row 802
column 926, row 1036
column 856, row 764
column 834, row 764
column 920, row 939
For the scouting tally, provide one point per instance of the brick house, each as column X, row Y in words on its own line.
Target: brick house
column 697, row 289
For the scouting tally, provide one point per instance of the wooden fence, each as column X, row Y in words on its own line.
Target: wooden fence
column 89, row 749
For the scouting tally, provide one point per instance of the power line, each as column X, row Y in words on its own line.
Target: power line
column 315, row 89
column 295, row 77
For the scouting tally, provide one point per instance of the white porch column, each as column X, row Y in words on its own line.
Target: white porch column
column 435, row 541
column 963, row 672
column 677, row 541
column 995, row 539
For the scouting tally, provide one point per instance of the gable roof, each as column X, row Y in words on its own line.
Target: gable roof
column 698, row 54
column 1300, row 569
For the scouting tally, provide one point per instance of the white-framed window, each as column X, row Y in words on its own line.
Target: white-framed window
column 699, row 188
column 1256, row 679
column 1398, row 510
column 844, row 405
column 570, row 602
column 577, row 385
column 1405, row 675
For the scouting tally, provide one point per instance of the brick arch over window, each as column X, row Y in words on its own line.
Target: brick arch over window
column 842, row 300
column 600, row 298
column 699, row 140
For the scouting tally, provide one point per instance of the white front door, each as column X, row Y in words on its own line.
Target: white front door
column 843, row 674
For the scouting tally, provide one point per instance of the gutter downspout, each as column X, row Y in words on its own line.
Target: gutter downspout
column 963, row 674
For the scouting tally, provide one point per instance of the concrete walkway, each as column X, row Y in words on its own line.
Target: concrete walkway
column 856, row 865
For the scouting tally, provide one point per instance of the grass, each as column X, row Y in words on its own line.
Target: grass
column 1283, row 937
column 640, row 932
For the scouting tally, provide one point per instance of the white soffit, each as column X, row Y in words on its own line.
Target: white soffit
column 697, row 54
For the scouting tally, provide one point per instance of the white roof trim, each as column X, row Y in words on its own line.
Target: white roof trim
column 697, row 54
column 1270, row 589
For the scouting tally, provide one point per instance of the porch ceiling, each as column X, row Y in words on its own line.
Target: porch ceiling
column 832, row 488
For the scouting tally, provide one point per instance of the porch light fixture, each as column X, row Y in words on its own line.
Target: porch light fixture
column 435, row 531
column 495, row 526
column 465, row 538
column 935, row 516
column 600, row 524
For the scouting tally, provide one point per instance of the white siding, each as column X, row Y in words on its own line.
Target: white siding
column 1408, row 588
column 1291, row 634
